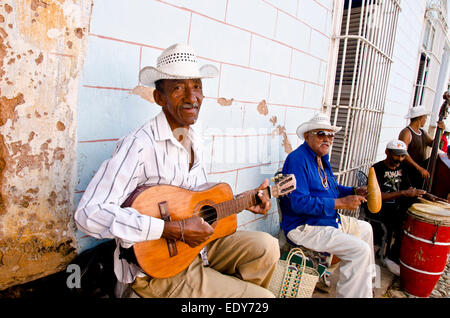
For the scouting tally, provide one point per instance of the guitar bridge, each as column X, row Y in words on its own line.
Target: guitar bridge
column 165, row 215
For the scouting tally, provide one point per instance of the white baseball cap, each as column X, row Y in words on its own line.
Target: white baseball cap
column 397, row 147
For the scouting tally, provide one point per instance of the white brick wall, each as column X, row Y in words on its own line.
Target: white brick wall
column 215, row 10
column 140, row 21
column 123, row 65
column 243, row 84
column 219, row 41
column 252, row 15
column 305, row 67
column 270, row 56
column 293, row 32
column 286, row 91
column 313, row 14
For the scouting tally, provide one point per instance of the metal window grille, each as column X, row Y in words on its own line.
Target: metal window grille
column 426, row 55
column 363, row 66
column 421, row 82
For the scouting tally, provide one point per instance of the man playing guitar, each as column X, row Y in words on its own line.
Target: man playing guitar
column 166, row 151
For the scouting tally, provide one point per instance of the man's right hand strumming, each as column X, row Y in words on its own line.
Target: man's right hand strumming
column 192, row 231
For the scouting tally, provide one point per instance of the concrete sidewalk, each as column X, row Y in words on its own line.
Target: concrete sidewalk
column 381, row 290
column 387, row 286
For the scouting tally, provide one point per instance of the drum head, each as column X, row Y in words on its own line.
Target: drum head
column 441, row 204
column 430, row 213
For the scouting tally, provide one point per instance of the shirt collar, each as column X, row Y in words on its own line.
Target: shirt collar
column 162, row 127
column 165, row 133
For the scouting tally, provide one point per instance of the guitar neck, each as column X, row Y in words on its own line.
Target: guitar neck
column 240, row 203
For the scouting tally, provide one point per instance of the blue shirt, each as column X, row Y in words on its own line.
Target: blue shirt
column 310, row 203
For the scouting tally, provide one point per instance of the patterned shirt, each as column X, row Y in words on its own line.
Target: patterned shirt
column 149, row 155
column 391, row 180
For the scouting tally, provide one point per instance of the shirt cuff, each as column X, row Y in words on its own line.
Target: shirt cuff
column 156, row 228
column 346, row 191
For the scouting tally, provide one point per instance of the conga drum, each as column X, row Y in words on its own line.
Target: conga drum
column 441, row 204
column 424, row 249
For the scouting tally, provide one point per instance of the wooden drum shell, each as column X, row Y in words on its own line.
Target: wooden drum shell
column 424, row 249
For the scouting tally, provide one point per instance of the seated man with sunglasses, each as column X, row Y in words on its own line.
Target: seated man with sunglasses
column 309, row 213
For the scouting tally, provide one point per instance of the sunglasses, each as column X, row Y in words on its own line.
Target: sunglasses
column 322, row 134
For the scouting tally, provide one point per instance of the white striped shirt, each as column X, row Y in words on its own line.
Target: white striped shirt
column 149, row 155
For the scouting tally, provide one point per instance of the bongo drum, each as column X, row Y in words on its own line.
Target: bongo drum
column 424, row 249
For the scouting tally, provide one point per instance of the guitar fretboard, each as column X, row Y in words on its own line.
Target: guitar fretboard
column 239, row 203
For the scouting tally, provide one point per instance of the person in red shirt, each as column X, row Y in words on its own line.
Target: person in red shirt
column 444, row 139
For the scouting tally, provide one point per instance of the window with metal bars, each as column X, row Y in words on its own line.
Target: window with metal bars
column 363, row 65
column 424, row 63
column 421, row 79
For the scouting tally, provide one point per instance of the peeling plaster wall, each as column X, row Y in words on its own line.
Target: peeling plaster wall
column 42, row 48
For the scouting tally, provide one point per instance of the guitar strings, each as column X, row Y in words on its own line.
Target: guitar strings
column 212, row 211
column 206, row 212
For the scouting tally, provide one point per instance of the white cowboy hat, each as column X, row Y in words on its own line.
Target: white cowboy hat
column 178, row 61
column 318, row 121
column 417, row 111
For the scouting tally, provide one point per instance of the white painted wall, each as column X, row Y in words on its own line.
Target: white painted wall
column 403, row 74
column 404, row 69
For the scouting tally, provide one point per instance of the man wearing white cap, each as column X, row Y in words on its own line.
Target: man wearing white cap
column 309, row 213
column 167, row 150
column 397, row 196
column 417, row 140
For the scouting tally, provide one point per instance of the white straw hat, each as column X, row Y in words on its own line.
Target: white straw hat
column 318, row 121
column 176, row 62
column 417, row 111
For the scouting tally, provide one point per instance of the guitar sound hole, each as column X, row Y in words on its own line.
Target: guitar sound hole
column 208, row 213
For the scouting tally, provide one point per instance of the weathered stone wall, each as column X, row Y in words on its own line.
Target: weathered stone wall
column 42, row 48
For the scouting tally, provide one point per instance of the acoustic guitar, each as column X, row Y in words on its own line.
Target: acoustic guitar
column 214, row 203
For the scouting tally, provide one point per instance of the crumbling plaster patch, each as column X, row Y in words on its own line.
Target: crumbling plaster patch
column 42, row 50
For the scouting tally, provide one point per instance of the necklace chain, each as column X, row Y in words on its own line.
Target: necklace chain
column 324, row 177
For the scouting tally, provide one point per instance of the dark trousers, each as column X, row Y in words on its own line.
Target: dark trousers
column 393, row 217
